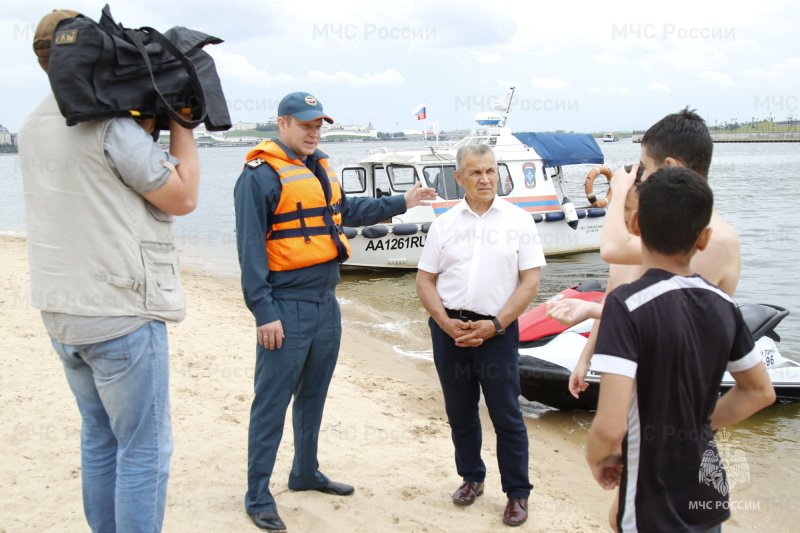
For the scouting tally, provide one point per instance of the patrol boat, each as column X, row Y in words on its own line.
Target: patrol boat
column 531, row 176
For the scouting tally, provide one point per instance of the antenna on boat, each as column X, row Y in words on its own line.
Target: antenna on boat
column 506, row 108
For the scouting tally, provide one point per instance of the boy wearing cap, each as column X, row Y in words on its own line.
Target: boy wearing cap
column 664, row 343
column 99, row 200
column 290, row 209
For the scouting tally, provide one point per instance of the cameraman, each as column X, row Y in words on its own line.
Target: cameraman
column 99, row 200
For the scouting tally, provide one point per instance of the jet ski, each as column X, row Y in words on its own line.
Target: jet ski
column 548, row 353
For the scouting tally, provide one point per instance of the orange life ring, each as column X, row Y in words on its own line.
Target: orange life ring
column 588, row 186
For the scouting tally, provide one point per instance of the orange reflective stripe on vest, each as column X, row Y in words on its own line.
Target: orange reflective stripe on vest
column 305, row 227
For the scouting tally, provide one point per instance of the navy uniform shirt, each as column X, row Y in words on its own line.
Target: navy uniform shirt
column 256, row 195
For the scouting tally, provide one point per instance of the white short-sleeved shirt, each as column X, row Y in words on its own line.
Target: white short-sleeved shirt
column 478, row 258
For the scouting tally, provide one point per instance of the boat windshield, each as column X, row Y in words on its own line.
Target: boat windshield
column 443, row 179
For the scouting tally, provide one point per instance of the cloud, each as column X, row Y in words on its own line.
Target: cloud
column 720, row 79
column 658, row 86
column 389, row 77
column 507, row 84
column 549, row 83
column 785, row 73
column 485, row 57
column 595, row 90
column 455, row 25
column 611, row 59
column 237, row 68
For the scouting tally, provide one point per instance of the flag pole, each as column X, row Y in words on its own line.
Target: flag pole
column 425, row 128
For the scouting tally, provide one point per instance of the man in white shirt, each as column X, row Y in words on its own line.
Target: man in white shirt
column 478, row 272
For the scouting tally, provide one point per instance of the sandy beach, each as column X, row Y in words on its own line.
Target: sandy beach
column 384, row 431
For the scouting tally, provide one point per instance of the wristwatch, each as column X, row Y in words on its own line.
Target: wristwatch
column 500, row 329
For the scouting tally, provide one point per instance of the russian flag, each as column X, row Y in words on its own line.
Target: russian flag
column 419, row 111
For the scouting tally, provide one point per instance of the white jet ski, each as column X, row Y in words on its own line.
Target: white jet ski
column 549, row 352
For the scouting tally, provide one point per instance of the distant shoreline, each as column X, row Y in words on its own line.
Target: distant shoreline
column 747, row 137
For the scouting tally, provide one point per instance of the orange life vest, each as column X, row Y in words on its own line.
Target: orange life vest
column 305, row 229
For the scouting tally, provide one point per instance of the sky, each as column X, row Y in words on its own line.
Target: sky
column 584, row 66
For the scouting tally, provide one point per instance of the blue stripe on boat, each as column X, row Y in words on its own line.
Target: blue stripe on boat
column 539, row 203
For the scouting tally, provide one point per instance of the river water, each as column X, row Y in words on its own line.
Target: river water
column 755, row 190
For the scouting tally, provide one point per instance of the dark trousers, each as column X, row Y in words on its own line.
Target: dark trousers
column 302, row 368
column 494, row 368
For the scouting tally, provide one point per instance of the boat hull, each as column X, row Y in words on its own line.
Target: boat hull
column 546, row 383
column 383, row 246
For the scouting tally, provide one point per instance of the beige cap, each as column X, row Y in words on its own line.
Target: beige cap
column 44, row 33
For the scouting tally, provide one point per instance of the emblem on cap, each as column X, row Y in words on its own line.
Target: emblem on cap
column 66, row 37
column 310, row 100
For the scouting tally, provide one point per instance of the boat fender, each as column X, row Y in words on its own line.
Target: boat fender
column 595, row 212
column 375, row 232
column 425, row 227
column 552, row 217
column 581, row 213
column 568, row 208
column 350, row 233
column 538, row 218
column 588, row 186
column 404, row 229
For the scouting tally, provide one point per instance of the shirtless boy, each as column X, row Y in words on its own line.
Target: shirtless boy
column 680, row 139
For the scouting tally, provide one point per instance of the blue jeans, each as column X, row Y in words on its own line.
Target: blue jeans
column 122, row 389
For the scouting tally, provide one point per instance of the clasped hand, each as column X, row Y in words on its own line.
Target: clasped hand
column 470, row 334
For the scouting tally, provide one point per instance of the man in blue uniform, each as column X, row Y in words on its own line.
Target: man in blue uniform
column 289, row 212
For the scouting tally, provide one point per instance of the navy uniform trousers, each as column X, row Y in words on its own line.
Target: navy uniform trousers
column 493, row 367
column 302, row 368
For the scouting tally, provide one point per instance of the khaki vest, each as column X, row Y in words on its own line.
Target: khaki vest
column 95, row 246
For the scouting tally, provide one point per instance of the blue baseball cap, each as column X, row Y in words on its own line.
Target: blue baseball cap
column 302, row 106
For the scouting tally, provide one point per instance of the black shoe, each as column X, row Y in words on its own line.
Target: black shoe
column 268, row 520
column 337, row 489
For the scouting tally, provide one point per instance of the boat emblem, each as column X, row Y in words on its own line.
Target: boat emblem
column 529, row 169
column 310, row 100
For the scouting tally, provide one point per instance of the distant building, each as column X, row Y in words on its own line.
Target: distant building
column 6, row 137
column 342, row 130
column 200, row 131
column 244, row 126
